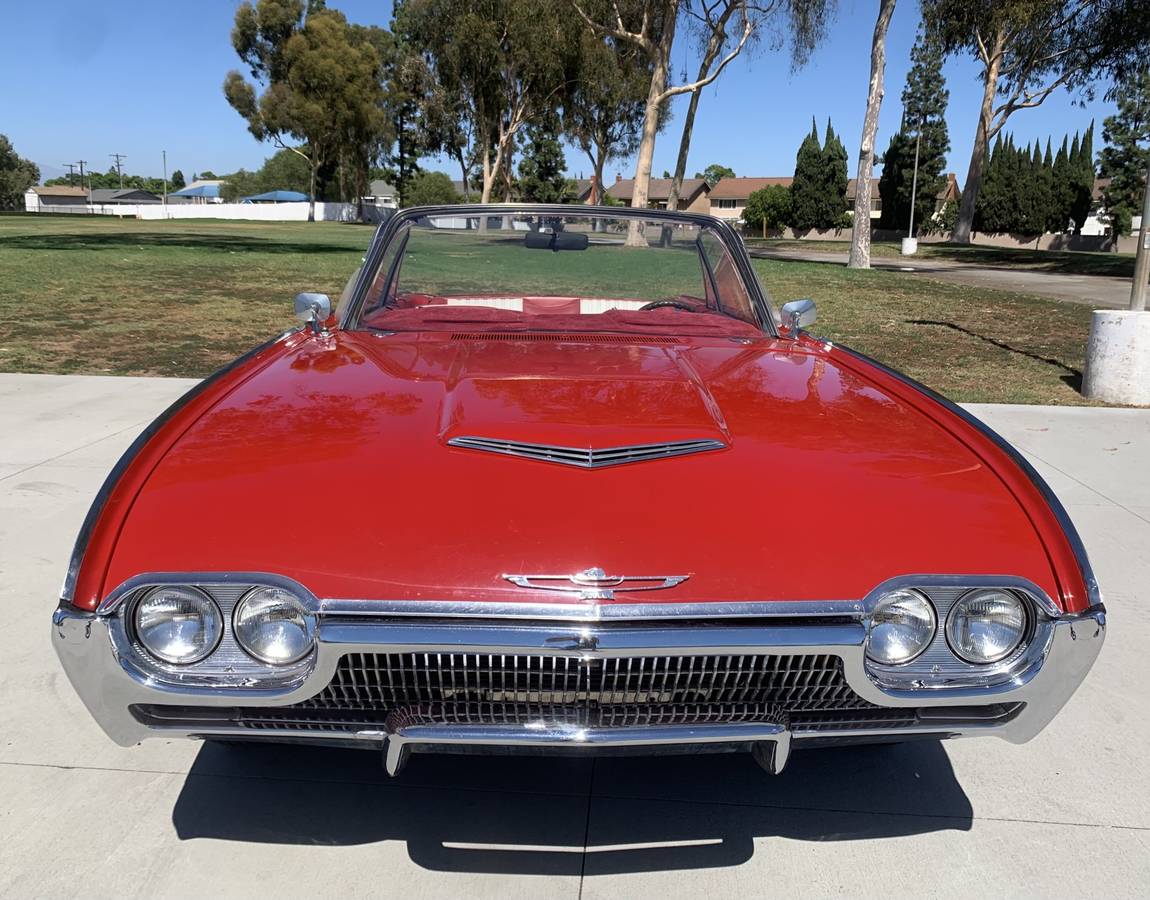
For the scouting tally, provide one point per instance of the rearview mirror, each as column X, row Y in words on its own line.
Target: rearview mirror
column 313, row 309
column 797, row 315
column 555, row 240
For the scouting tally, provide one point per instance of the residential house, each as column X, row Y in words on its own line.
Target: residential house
column 39, row 196
column 380, row 193
column 729, row 197
column 202, row 190
column 692, row 198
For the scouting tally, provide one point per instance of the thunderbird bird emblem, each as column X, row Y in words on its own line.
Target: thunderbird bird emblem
column 595, row 584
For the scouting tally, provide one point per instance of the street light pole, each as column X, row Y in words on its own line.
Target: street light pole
column 1142, row 260
column 914, row 180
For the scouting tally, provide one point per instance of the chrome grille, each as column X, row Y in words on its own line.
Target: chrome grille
column 369, row 689
column 587, row 458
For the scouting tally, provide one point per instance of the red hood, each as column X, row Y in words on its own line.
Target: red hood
column 331, row 466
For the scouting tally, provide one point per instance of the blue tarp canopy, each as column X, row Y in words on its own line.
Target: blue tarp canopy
column 200, row 190
column 275, row 197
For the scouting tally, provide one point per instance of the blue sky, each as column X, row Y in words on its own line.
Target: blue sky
column 84, row 80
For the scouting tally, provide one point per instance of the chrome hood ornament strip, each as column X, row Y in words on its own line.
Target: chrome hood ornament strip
column 587, row 457
column 595, row 584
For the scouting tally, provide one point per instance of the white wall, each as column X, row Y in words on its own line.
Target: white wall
column 261, row 212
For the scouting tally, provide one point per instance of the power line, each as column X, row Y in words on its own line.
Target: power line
column 119, row 158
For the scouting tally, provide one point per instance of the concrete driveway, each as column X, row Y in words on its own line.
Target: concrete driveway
column 1066, row 815
column 1095, row 291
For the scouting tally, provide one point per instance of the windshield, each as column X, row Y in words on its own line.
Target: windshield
column 580, row 271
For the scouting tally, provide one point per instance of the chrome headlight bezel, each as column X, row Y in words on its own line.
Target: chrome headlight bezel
column 958, row 610
column 275, row 602
column 207, row 603
column 909, row 599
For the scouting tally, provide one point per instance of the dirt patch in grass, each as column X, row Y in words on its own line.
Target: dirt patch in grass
column 105, row 296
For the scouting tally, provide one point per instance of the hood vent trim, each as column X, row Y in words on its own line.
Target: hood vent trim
column 586, row 457
column 559, row 337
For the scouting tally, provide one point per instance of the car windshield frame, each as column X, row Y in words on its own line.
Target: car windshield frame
column 397, row 228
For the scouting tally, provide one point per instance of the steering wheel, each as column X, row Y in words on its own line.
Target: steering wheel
column 669, row 302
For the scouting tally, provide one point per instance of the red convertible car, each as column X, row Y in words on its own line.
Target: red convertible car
column 563, row 479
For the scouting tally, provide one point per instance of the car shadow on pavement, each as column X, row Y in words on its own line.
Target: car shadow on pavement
column 535, row 815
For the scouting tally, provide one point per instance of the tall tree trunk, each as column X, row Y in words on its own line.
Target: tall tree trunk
column 311, row 190
column 965, row 221
column 685, row 142
column 860, row 245
column 599, row 163
column 488, row 176
column 661, row 63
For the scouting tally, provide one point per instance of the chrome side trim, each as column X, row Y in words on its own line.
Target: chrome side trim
column 68, row 589
column 587, row 458
column 584, row 612
column 1093, row 592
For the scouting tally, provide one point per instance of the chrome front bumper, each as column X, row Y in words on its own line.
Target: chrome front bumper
column 111, row 681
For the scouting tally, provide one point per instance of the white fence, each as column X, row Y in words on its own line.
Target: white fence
column 260, row 212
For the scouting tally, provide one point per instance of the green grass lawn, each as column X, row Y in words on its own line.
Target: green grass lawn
column 182, row 298
column 1119, row 265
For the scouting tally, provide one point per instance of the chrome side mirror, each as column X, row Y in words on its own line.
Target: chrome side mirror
column 797, row 315
column 314, row 309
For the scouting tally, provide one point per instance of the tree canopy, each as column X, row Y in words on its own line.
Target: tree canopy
column 321, row 96
column 16, row 175
column 714, row 173
column 1126, row 155
column 431, row 189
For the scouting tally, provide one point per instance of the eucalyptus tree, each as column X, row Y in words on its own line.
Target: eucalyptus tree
column 714, row 24
column 603, row 110
column 650, row 25
column 319, row 81
column 1029, row 49
column 860, row 240
column 502, row 63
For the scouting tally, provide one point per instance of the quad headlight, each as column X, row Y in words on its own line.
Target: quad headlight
column 986, row 626
column 274, row 626
column 902, row 625
column 178, row 625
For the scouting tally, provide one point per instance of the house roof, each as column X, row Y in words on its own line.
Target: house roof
column 380, row 188
column 658, row 189
column 59, row 190
column 742, row 188
column 200, row 189
column 114, row 195
column 275, row 197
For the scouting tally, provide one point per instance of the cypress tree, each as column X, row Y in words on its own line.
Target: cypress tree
column 836, row 179
column 541, row 178
column 924, row 102
column 808, row 187
column 1059, row 218
column 1040, row 183
column 1082, row 180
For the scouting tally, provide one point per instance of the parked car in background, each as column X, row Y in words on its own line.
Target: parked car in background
column 563, row 478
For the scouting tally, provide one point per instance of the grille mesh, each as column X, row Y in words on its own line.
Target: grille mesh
column 807, row 691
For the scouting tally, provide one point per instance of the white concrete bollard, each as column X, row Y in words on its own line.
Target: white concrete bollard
column 909, row 246
column 1118, row 358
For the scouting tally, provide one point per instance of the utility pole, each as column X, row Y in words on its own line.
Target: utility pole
column 81, row 164
column 119, row 158
column 165, row 153
column 71, row 167
column 1142, row 260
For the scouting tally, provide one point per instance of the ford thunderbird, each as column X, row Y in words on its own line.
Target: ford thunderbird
column 563, row 479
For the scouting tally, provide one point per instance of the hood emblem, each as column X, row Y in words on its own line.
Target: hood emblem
column 595, row 584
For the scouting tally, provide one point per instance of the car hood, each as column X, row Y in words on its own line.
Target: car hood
column 331, row 465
